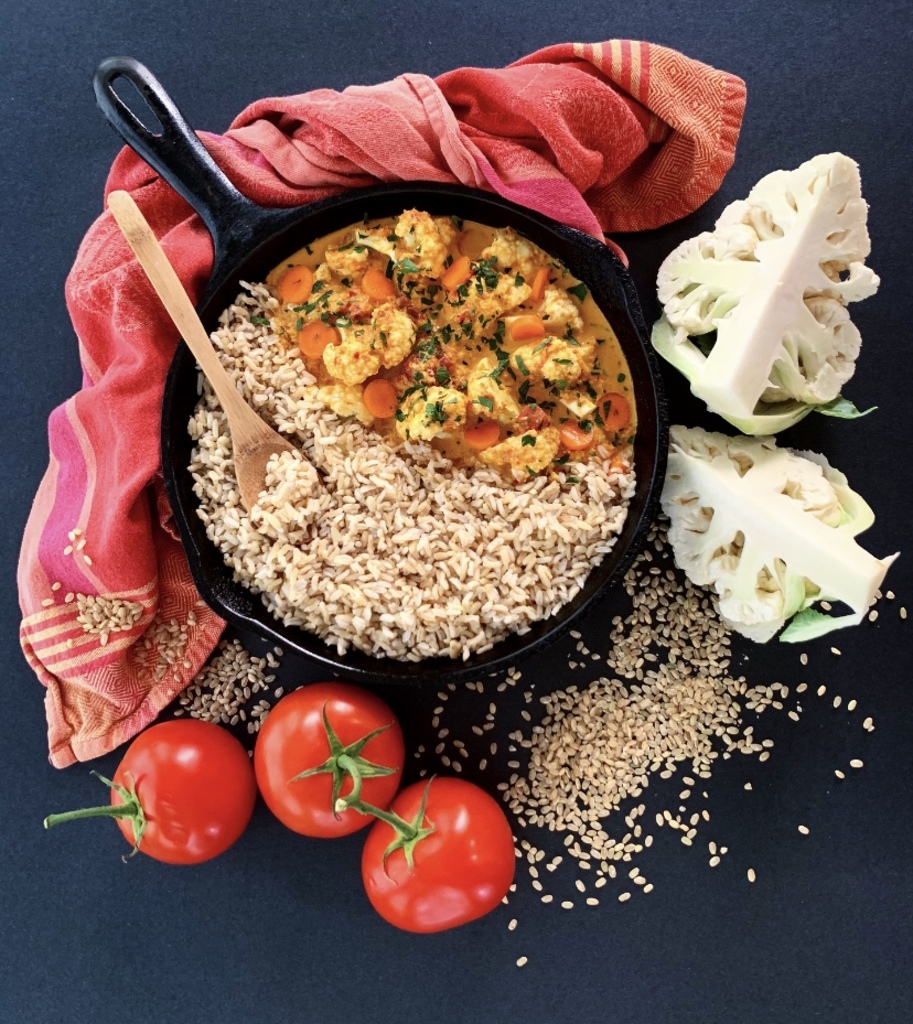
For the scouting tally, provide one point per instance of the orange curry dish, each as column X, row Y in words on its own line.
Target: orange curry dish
column 464, row 336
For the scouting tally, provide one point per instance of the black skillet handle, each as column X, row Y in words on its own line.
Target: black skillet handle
column 177, row 155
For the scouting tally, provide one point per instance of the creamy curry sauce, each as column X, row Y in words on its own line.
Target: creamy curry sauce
column 458, row 334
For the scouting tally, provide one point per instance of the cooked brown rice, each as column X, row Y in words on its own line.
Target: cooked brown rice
column 396, row 552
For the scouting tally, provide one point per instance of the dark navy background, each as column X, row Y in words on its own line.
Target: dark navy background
column 278, row 930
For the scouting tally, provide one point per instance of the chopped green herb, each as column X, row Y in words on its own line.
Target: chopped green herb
column 580, row 290
column 261, row 320
column 434, row 412
column 521, row 366
column 563, row 460
column 486, row 402
column 523, row 393
column 458, row 221
column 399, row 415
column 563, row 362
column 299, row 324
column 406, row 266
column 442, row 376
column 342, row 248
column 343, row 321
column 572, row 480
column 518, row 281
column 541, row 345
column 486, row 272
column 528, row 441
column 309, row 250
column 621, row 378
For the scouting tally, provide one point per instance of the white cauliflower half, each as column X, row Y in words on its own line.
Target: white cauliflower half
column 773, row 280
column 771, row 530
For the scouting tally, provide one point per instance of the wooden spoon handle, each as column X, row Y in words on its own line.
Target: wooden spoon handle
column 169, row 289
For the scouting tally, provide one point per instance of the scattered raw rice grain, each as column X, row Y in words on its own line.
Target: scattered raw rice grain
column 856, row 763
column 803, row 658
column 592, row 901
column 851, row 706
column 868, row 724
column 839, row 773
column 803, row 829
column 511, row 924
column 624, row 897
column 567, row 905
column 836, row 650
column 747, row 786
column 648, row 887
column 838, row 700
column 751, row 875
column 522, row 961
column 714, row 861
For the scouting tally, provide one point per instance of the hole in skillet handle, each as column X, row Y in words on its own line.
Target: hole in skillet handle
column 613, row 289
column 130, row 99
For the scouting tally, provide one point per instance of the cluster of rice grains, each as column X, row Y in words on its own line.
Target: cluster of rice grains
column 668, row 701
column 223, row 691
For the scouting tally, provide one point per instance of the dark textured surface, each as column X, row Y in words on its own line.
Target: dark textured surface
column 278, row 930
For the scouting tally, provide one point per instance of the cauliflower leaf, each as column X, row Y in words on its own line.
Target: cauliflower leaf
column 754, row 312
column 771, row 530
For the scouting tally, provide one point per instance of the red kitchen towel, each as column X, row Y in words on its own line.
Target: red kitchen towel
column 614, row 136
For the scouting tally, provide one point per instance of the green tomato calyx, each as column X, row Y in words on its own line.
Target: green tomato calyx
column 345, row 761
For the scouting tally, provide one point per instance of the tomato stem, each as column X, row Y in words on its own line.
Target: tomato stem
column 408, row 833
column 131, row 808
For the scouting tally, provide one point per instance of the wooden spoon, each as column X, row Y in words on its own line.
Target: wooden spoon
column 253, row 441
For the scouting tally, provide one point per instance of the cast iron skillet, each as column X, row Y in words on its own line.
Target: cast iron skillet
column 249, row 240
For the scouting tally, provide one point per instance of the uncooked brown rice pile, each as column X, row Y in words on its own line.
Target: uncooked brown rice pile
column 601, row 770
column 396, row 551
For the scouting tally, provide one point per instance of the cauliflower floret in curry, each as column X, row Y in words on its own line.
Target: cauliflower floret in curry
column 553, row 359
column 345, row 400
column 431, row 412
column 488, row 396
column 488, row 305
column 364, row 348
column 515, row 253
column 425, row 240
column 558, row 309
column 349, row 261
column 525, row 454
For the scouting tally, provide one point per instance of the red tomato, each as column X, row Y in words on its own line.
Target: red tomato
column 194, row 783
column 461, row 870
column 293, row 739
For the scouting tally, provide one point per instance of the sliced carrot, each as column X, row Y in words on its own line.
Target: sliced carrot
column 314, row 338
column 459, row 272
column 376, row 285
column 379, row 397
column 296, row 284
column 528, row 327
column 615, row 412
column 574, row 437
column 483, row 435
column 539, row 283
